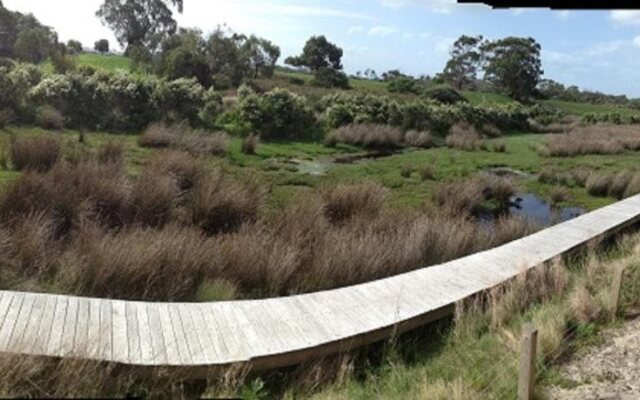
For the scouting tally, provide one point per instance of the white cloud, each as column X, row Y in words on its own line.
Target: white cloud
column 562, row 15
column 626, row 17
column 355, row 29
column 439, row 6
column 382, row 31
column 636, row 41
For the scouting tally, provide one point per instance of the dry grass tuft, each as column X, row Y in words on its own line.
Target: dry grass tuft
column 463, row 136
column 111, row 152
column 582, row 304
column 558, row 195
column 422, row 139
column 343, row 202
column 598, row 183
column 250, row 144
column 158, row 135
column 220, row 204
column 181, row 137
column 593, row 139
column 372, row 136
column 38, row 153
column 139, row 263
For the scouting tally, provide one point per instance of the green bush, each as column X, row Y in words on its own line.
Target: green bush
column 445, row 95
column 330, row 78
column 403, row 84
column 180, row 99
column 133, row 100
column 278, row 113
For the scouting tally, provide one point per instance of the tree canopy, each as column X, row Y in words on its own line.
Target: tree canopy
column 140, row 24
column 466, row 56
column 318, row 53
column 513, row 65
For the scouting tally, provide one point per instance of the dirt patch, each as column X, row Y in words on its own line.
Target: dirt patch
column 610, row 371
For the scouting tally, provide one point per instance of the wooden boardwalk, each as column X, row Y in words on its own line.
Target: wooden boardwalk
column 279, row 331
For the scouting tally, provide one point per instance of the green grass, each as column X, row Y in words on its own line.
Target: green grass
column 584, row 108
column 483, row 98
column 110, row 62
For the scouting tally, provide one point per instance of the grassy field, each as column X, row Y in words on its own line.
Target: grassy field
column 584, row 108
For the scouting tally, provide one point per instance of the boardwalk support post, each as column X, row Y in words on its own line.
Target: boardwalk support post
column 528, row 362
column 616, row 290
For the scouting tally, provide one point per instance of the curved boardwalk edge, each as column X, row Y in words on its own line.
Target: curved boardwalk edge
column 280, row 331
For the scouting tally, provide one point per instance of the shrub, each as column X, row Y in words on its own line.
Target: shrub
column 6, row 116
column 35, row 153
column 343, row 202
column 367, row 135
column 403, row 84
column 213, row 107
column 50, row 118
column 250, row 144
column 278, row 113
column 464, row 137
column 182, row 99
column 133, row 101
column 445, row 95
column 223, row 205
column 330, row 78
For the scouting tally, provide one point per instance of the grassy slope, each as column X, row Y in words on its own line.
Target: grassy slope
column 283, row 78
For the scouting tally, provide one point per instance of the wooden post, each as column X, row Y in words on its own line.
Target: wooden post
column 616, row 289
column 528, row 362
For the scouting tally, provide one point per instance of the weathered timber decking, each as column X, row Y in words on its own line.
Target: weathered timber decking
column 280, row 331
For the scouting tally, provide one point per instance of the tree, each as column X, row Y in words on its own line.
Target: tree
column 139, row 24
column 228, row 66
column 324, row 59
column 183, row 56
column 74, row 47
column 318, row 53
column 101, row 46
column 514, row 65
column 466, row 56
column 34, row 44
column 261, row 55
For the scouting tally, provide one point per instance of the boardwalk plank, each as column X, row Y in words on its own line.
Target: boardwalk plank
column 10, row 320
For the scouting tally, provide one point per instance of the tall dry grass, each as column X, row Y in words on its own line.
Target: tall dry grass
column 465, row 137
column 182, row 137
column 377, row 136
column 37, row 153
column 593, row 139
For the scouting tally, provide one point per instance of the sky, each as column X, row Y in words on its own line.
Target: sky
column 594, row 50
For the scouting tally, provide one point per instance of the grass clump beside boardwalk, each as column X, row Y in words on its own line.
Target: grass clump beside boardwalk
column 474, row 355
